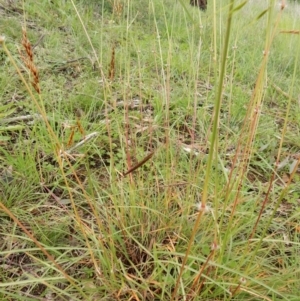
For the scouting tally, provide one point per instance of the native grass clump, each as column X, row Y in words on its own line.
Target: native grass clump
column 149, row 150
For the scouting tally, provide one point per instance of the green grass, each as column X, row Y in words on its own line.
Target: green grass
column 213, row 214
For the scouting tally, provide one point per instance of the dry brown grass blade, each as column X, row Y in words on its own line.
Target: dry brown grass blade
column 112, row 71
column 139, row 164
column 290, row 31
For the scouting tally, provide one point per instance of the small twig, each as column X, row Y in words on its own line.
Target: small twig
column 20, row 118
column 279, row 90
column 82, row 142
column 38, row 41
column 68, row 62
column 32, row 117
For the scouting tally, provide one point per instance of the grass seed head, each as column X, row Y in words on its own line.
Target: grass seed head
column 27, row 58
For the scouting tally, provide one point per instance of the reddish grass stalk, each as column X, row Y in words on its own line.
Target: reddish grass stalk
column 196, row 280
column 234, row 291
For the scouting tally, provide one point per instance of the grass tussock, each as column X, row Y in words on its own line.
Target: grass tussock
column 149, row 150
